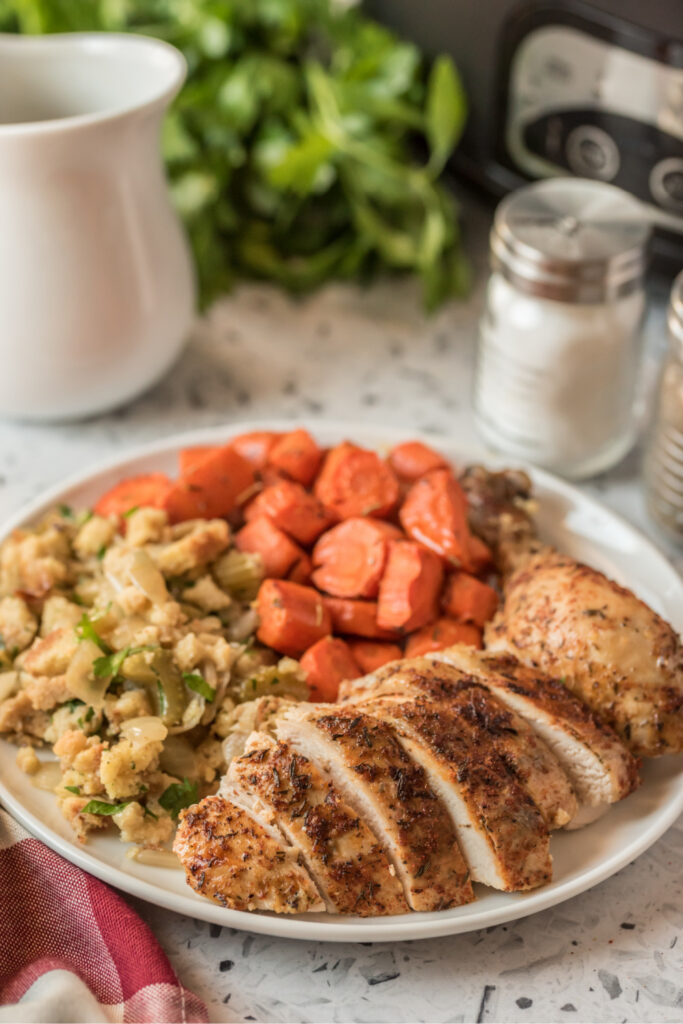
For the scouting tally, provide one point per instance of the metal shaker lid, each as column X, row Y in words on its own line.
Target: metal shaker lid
column 571, row 239
column 675, row 314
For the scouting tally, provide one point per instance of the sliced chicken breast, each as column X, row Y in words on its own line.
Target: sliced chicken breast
column 494, row 726
column 284, row 788
column 501, row 832
column 391, row 792
column 598, row 765
column 234, row 860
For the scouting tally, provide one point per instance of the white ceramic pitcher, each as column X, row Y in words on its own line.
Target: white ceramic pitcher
column 96, row 282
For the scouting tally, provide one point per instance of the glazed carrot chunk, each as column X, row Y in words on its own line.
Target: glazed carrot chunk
column 467, row 599
column 371, row 655
column 358, row 618
column 480, row 553
column 301, row 570
column 413, row 459
column 440, row 634
column 255, row 446
column 409, row 591
column 278, row 552
column 292, row 617
column 189, row 457
column 435, row 514
column 356, row 482
column 292, row 508
column 327, row 664
column 211, row 488
column 350, row 557
column 148, row 489
column 297, row 456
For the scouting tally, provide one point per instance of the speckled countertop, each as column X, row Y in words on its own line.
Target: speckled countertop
column 612, row 954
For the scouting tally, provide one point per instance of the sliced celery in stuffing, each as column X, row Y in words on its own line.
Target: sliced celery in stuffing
column 240, row 573
column 162, row 679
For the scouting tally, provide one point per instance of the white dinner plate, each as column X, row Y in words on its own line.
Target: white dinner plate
column 581, row 859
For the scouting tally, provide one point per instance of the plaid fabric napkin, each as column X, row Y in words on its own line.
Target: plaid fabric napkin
column 72, row 950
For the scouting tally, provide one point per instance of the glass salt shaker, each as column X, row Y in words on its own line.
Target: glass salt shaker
column 664, row 457
column 560, row 339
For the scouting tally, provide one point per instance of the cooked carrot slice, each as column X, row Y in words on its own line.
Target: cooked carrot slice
column 440, row 634
column 410, row 587
column 357, row 618
column 189, row 457
column 211, row 488
column 467, row 599
column 278, row 552
column 356, row 482
column 255, row 446
column 296, row 455
column 350, row 558
column 301, row 570
column 435, row 514
column 148, row 489
column 413, row 459
column 327, row 664
column 480, row 553
column 292, row 617
column 292, row 508
column 371, row 654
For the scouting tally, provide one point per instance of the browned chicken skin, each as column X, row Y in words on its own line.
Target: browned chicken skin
column 232, row 859
column 575, row 624
column 391, row 792
column 341, row 853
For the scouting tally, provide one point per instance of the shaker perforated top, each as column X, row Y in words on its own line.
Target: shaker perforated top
column 571, row 239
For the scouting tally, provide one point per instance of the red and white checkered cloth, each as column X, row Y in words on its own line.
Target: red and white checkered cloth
column 71, row 949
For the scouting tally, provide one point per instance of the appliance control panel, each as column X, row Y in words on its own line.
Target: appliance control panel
column 578, row 104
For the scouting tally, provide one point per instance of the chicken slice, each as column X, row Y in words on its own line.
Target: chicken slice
column 497, row 728
column 231, row 858
column 501, row 832
column 598, row 765
column 285, row 789
column 391, row 792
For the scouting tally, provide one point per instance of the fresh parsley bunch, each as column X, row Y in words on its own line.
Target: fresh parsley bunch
column 291, row 149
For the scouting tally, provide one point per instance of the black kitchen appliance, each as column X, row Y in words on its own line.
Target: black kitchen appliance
column 593, row 89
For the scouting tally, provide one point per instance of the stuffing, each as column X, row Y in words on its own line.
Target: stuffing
column 59, row 613
column 130, row 704
column 200, row 543
column 207, row 595
column 18, row 624
column 95, row 535
column 145, row 526
column 143, row 829
column 161, row 603
column 50, row 655
column 123, row 764
column 27, row 760
column 33, row 563
column 46, row 692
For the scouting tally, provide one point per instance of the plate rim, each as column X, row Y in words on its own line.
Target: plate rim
column 405, row 927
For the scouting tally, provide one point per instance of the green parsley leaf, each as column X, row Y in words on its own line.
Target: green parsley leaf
column 65, row 511
column 89, row 714
column 150, row 814
column 110, row 664
column 179, row 795
column 101, row 552
column 129, row 512
column 102, row 808
column 74, row 789
column 74, row 703
column 199, row 684
column 85, row 630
